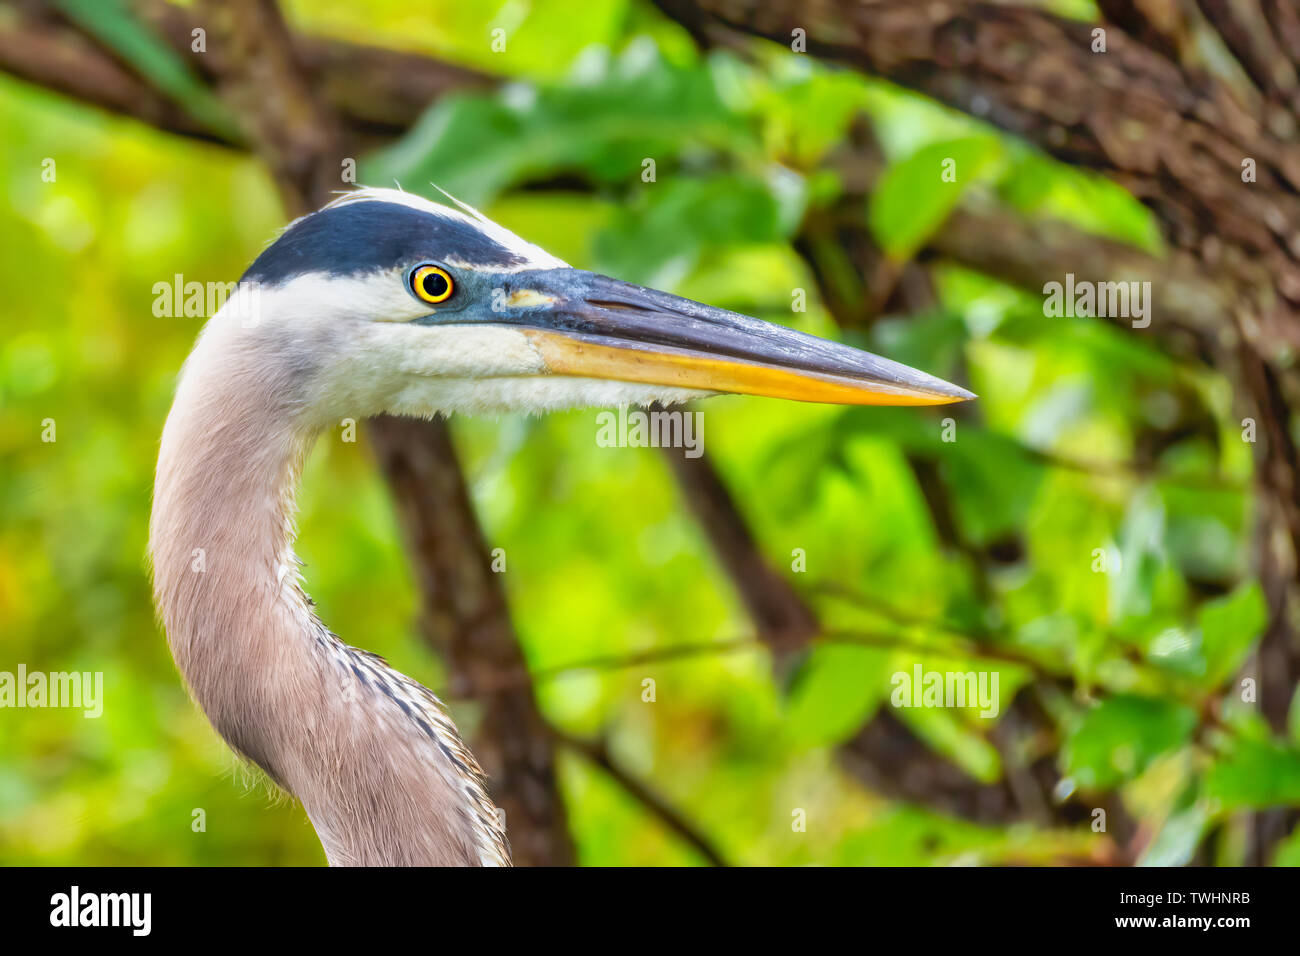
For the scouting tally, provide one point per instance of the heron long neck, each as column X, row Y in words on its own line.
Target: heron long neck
column 378, row 766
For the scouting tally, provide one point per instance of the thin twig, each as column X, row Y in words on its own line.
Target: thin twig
column 597, row 752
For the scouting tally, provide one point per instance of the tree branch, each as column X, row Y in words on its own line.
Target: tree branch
column 597, row 752
column 37, row 46
column 464, row 616
column 783, row 620
column 376, row 92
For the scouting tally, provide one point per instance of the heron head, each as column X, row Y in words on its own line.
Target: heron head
column 398, row 304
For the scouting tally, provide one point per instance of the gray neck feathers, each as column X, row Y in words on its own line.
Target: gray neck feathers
column 372, row 755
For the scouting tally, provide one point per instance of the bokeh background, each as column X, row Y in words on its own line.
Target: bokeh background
column 1091, row 534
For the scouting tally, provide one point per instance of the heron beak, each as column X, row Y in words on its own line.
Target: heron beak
column 592, row 326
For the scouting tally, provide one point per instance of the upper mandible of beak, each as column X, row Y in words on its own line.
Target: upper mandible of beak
column 597, row 327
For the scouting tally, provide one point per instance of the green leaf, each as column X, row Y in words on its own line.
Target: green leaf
column 1255, row 774
column 604, row 123
column 1176, row 843
column 1288, row 851
column 675, row 219
column 1041, row 186
column 1142, row 552
column 912, row 200
column 834, row 691
column 1119, row 737
column 945, row 732
column 991, row 479
column 1229, row 627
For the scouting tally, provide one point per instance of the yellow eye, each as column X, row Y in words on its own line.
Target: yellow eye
column 432, row 284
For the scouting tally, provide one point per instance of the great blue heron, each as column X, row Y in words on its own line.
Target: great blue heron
column 385, row 302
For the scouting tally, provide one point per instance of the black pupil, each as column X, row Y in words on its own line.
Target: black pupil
column 435, row 285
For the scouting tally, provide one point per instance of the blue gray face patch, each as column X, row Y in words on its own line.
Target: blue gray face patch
column 362, row 237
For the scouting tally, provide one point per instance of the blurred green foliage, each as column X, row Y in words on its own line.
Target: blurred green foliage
column 603, row 558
